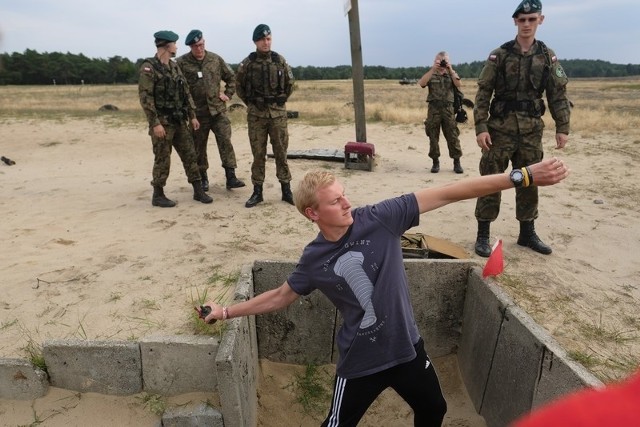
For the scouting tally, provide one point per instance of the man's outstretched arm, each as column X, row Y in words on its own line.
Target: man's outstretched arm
column 266, row 302
column 547, row 172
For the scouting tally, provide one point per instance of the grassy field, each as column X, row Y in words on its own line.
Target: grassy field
column 601, row 105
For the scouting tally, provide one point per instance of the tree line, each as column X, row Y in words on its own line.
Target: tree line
column 33, row 68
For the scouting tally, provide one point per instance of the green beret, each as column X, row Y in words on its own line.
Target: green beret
column 261, row 31
column 528, row 6
column 193, row 37
column 165, row 37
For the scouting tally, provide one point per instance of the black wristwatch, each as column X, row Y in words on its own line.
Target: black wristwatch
column 517, row 177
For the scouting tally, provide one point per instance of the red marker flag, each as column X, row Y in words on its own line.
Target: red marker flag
column 495, row 263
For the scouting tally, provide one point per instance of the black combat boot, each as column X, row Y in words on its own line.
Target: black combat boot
column 483, row 248
column 256, row 197
column 205, row 181
column 457, row 167
column 530, row 239
column 436, row 166
column 287, row 195
column 199, row 194
column 159, row 199
column 232, row 181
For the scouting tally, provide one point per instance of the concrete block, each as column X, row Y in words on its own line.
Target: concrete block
column 484, row 307
column 20, row 380
column 179, row 364
column 244, row 291
column 192, row 416
column 514, row 370
column 302, row 333
column 437, row 289
column 558, row 373
column 107, row 367
column 237, row 365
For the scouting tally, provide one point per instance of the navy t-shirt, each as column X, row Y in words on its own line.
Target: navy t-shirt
column 363, row 275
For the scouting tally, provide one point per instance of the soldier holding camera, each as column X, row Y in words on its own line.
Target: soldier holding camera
column 166, row 101
column 442, row 81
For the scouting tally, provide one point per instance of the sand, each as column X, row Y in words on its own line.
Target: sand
column 85, row 255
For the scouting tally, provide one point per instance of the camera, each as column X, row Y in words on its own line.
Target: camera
column 443, row 63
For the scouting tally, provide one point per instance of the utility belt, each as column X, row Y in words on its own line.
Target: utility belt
column 535, row 108
column 439, row 103
column 173, row 116
column 263, row 102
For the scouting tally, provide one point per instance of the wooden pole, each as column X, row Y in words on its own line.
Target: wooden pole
column 357, row 72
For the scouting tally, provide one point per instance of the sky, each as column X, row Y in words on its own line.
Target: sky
column 394, row 33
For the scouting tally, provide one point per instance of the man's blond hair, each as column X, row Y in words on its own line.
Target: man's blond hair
column 305, row 194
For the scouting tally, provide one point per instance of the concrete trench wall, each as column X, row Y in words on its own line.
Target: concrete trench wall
column 509, row 364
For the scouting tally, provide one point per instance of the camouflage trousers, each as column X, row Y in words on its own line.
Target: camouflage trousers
column 221, row 128
column 521, row 150
column 442, row 117
column 275, row 130
column 178, row 136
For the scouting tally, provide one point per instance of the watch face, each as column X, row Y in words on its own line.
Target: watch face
column 517, row 176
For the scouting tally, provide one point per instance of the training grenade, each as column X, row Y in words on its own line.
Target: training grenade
column 204, row 312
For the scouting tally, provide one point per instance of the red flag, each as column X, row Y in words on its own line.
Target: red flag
column 495, row 263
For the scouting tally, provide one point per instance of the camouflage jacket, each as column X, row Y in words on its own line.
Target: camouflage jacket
column 440, row 89
column 204, row 78
column 264, row 82
column 164, row 93
column 510, row 89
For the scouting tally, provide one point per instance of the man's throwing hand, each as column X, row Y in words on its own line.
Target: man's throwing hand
column 548, row 172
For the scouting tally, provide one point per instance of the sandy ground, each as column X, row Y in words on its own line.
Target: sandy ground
column 85, row 255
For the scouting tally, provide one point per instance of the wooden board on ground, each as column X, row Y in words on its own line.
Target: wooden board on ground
column 418, row 245
column 316, row 154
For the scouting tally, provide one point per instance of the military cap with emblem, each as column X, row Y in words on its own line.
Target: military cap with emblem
column 261, row 31
column 528, row 6
column 165, row 37
column 194, row 36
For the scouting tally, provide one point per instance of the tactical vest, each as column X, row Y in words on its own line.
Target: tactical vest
column 169, row 91
column 514, row 94
column 266, row 80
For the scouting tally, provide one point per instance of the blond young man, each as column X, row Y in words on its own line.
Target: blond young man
column 356, row 261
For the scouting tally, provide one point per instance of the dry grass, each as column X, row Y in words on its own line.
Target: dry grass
column 601, row 105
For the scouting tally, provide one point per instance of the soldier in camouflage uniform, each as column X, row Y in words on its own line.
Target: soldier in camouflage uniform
column 165, row 99
column 509, row 126
column 205, row 71
column 264, row 82
column 441, row 79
